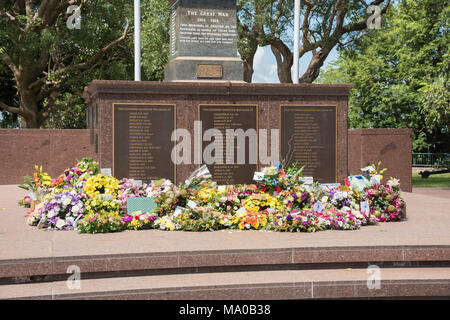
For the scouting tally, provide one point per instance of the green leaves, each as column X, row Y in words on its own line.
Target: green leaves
column 401, row 74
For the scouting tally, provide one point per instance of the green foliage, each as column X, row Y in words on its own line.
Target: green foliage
column 401, row 73
column 7, row 95
column 434, row 181
column 155, row 39
column 70, row 51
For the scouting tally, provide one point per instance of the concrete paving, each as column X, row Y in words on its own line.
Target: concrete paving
column 428, row 224
column 433, row 192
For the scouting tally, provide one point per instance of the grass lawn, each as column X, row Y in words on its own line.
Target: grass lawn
column 433, row 181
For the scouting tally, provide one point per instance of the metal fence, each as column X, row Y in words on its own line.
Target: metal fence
column 431, row 160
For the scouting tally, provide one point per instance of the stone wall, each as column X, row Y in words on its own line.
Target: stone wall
column 55, row 150
column 391, row 146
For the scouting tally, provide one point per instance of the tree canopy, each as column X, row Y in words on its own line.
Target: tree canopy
column 401, row 73
column 47, row 60
column 325, row 24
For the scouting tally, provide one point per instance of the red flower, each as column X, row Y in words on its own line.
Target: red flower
column 347, row 182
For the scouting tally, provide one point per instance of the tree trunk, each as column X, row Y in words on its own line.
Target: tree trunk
column 30, row 118
column 315, row 64
column 284, row 65
column 248, row 61
column 248, row 72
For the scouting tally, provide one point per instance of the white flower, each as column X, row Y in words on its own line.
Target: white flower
column 393, row 182
column 369, row 169
column 324, row 199
column 61, row 223
column 338, row 196
column 51, row 213
column 66, row 201
column 270, row 171
column 76, row 208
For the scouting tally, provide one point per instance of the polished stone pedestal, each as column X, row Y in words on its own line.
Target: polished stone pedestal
column 314, row 136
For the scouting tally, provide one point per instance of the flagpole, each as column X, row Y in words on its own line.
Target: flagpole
column 137, row 40
column 296, row 41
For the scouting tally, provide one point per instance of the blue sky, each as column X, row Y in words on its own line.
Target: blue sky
column 266, row 66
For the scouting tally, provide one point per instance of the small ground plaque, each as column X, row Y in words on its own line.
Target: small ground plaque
column 142, row 141
column 309, row 138
column 223, row 117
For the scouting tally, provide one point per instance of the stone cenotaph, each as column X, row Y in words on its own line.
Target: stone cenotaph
column 203, row 41
column 136, row 126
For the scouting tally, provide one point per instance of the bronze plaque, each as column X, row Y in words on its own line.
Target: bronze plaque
column 142, row 145
column 232, row 170
column 309, row 138
column 210, row 71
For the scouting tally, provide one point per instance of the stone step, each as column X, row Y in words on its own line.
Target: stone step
column 285, row 284
column 227, row 260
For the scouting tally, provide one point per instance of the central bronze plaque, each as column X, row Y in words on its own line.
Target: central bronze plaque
column 308, row 138
column 142, row 145
column 210, row 71
column 234, row 117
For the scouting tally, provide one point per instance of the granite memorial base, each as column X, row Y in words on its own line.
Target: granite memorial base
column 132, row 123
column 393, row 147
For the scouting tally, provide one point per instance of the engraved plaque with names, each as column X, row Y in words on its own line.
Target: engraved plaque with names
column 223, row 117
column 308, row 138
column 142, row 141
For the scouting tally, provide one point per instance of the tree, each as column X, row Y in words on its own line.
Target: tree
column 401, row 74
column 326, row 24
column 155, row 38
column 7, row 94
column 43, row 53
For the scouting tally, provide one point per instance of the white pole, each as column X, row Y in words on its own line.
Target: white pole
column 296, row 40
column 137, row 40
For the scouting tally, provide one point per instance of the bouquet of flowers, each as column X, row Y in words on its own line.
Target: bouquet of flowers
column 262, row 201
column 88, row 165
column 25, row 202
column 167, row 223
column 296, row 198
column 300, row 221
column 101, row 216
column 249, row 219
column 60, row 211
column 99, row 185
column 129, row 189
column 198, row 219
column 101, row 223
column 167, row 202
column 277, row 178
column 139, row 221
column 156, row 188
column 200, row 178
column 38, row 184
column 385, row 201
column 225, row 201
